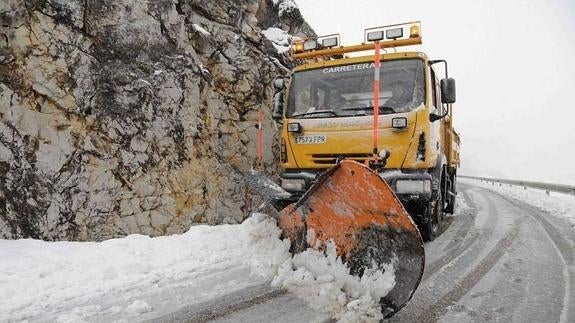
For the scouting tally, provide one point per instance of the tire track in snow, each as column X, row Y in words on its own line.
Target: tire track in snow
column 564, row 248
column 459, row 263
column 459, row 243
column 223, row 306
column 439, row 308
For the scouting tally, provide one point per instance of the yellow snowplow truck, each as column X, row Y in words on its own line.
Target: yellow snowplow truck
column 327, row 117
column 368, row 153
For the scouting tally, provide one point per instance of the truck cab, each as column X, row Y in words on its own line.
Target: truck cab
column 327, row 114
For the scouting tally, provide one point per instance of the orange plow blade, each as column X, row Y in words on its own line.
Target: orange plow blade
column 356, row 209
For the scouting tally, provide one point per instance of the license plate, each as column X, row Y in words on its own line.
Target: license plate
column 312, row 139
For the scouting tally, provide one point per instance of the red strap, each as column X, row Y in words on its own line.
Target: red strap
column 376, row 99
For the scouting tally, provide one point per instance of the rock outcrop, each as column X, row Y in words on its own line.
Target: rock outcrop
column 123, row 116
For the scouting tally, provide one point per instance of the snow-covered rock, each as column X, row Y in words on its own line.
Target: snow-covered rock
column 280, row 38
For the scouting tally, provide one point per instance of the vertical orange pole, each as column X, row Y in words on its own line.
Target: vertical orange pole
column 260, row 141
column 376, row 99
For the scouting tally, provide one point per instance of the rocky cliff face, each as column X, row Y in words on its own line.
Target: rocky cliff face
column 124, row 116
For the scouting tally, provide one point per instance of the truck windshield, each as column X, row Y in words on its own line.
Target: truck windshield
column 347, row 90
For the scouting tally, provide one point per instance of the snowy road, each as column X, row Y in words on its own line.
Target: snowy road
column 498, row 260
column 501, row 260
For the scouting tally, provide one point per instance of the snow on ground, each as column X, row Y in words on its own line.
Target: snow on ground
column 461, row 206
column 57, row 279
column 137, row 277
column 557, row 204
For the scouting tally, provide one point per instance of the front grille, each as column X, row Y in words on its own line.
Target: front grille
column 330, row 159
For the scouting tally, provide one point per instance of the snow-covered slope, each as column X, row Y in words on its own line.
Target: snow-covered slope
column 75, row 280
column 556, row 204
column 138, row 278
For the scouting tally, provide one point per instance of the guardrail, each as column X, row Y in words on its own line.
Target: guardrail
column 547, row 187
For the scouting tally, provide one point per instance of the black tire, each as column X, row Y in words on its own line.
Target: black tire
column 433, row 218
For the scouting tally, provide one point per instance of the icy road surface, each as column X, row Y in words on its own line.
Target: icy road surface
column 499, row 259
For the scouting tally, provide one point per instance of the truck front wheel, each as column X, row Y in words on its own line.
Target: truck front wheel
column 433, row 218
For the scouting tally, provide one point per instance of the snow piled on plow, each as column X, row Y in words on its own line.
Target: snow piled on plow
column 138, row 278
column 323, row 280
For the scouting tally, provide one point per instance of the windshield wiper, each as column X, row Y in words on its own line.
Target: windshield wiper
column 311, row 113
column 382, row 109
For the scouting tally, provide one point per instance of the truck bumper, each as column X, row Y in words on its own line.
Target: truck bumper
column 410, row 186
column 407, row 186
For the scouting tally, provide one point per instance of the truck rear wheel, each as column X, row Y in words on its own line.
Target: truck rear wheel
column 450, row 196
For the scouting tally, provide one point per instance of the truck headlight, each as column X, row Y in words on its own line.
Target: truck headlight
column 294, row 127
column 412, row 186
column 399, row 123
column 394, row 33
column 309, row 44
column 293, row 184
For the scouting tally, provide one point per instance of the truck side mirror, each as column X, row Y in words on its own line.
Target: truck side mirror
column 278, row 99
column 448, row 90
column 278, row 106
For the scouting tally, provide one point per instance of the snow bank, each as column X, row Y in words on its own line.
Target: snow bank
column 557, row 204
column 40, row 277
column 86, row 281
column 461, row 206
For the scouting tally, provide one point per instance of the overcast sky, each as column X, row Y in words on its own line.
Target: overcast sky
column 514, row 64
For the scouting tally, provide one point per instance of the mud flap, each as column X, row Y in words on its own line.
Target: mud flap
column 356, row 209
